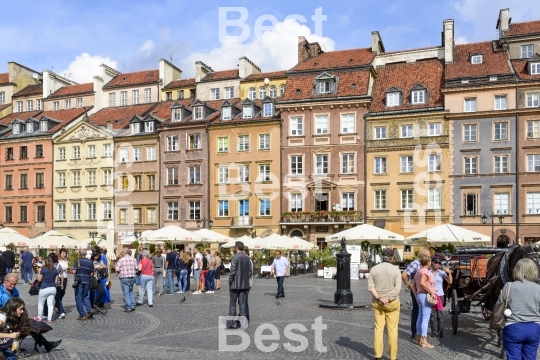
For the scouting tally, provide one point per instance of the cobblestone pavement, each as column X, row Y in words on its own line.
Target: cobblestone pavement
column 172, row 329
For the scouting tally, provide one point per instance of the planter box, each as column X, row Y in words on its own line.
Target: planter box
column 320, row 272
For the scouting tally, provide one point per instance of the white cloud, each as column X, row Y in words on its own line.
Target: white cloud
column 461, row 40
column 85, row 67
column 146, row 48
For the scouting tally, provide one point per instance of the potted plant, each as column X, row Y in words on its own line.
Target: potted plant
column 287, row 216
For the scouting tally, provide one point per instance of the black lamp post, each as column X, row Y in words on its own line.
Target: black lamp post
column 492, row 216
column 92, row 234
column 203, row 221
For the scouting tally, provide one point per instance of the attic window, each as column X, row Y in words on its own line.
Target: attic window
column 323, row 87
column 477, row 59
column 177, row 115
column 226, row 113
column 392, row 99
column 353, row 85
column 198, row 113
column 298, row 91
column 535, row 68
column 29, row 127
column 418, row 97
column 351, row 60
column 43, row 126
column 15, row 129
column 135, row 128
column 247, row 112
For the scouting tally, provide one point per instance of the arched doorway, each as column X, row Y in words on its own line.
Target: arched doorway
column 503, row 241
column 297, row 233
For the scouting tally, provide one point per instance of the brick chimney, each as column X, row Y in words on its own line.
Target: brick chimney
column 503, row 23
column 377, row 46
column 448, row 41
column 314, row 49
column 201, row 70
column 303, row 49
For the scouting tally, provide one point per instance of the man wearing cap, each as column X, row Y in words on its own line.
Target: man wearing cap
column 384, row 284
column 439, row 274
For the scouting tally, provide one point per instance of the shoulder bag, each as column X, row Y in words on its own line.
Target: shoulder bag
column 431, row 299
column 497, row 319
column 34, row 290
column 76, row 278
column 139, row 273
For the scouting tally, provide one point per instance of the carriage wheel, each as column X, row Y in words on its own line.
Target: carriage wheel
column 455, row 312
column 486, row 313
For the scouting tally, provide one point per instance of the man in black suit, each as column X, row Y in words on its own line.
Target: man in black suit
column 10, row 259
column 239, row 283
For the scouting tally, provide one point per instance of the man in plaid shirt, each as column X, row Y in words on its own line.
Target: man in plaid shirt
column 408, row 277
column 126, row 269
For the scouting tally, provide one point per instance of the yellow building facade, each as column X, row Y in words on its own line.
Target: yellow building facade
column 258, row 86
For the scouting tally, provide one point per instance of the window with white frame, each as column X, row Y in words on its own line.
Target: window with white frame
column 39, row 104
column 347, row 201
column 243, row 143
column 79, row 103
column 149, row 126
column 112, row 99
column 533, row 203
column 501, row 131
column 264, row 142
column 62, row 153
column 500, row 204
column 107, row 150
column 407, row 199
column 135, row 128
column 124, row 157
column 347, row 124
column 172, row 143
column 380, row 199
column 20, row 106
column 194, row 210
column 434, row 162
column 470, row 165
column 434, row 198
column 469, row 132
column 533, row 163
column 321, row 124
column 535, row 68
column 91, row 177
column 252, row 94
column 151, row 182
column 435, row 129
column 380, row 132
column 281, row 90
column 29, row 105
column 296, row 202
column 172, row 175
column 296, row 165
column 214, row 94
column 107, row 177
column 137, row 216
column 477, row 59
column 264, row 172
column 247, row 111
column 61, row 179
column 147, row 95
column 527, row 51
column 407, row 131
column 135, row 97
column 500, row 102
column 137, row 154
column 296, row 126
column 406, row 164
column 172, row 210
column 532, row 99
column 533, row 129
column 223, row 208
column 62, row 212
column 194, row 174
column 30, row 127
column 223, row 144
column 264, row 207
column 268, row 109
column 470, row 105
column 198, row 113
column 91, row 211
column 347, row 164
column 91, row 151
column 56, row 105
column 243, row 207
column 67, row 104
column 151, row 215
column 229, row 92
column 392, row 99
column 321, row 166
column 76, row 152
column 193, row 141
column 75, row 211
column 44, row 125
column 2, row 97
column 107, row 210
column 380, row 165
column 177, row 115
column 180, row 94
column 226, row 113
column 273, row 92
column 223, row 174
column 323, row 87
column 262, row 92
column 76, row 177
column 243, row 173
column 418, row 97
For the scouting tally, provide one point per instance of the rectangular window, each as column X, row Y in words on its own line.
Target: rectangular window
column 172, row 143
column 137, row 182
column 418, row 96
column 535, row 68
column 40, row 180
column 268, row 109
column 180, row 94
column 501, row 164
column 135, row 97
column 137, row 154
column 76, row 178
column 223, row 175
column 198, row 113
column 39, row 104
column 193, row 141
column 112, row 99
column 296, row 126
column 380, row 165
column 107, row 210
column 16, row 129
column 9, row 153
column 39, row 151
column 297, row 165
column 123, row 98
column 347, row 164
column 406, row 164
column 91, row 151
column 223, row 144
column 243, row 173
column 264, row 207
column 23, row 212
column 347, row 124
column 243, row 143
column 23, row 152
column 296, row 202
column 2, row 97
column 56, row 105
column 23, row 181
column 151, row 182
column 137, row 216
column 61, row 179
column 75, row 211
column 30, row 127
column 150, row 153
column 264, row 142
column 149, row 126
column 226, row 113
column 214, row 94
column 61, row 212
column 107, row 177
column 135, row 128
column 264, row 172
column 476, row 59
column 91, row 211
column 124, row 216
column 434, row 162
column 194, row 174
column 223, row 207
column 172, row 176
column 172, row 210
column 469, row 133
column 9, row 182
column 124, row 157
column 168, row 94
column 532, row 99
column 501, row 204
column 247, row 112
column 470, row 105
column 125, row 182
column 91, row 177
column 533, row 163
column 76, row 152
column 533, row 203
column 68, row 104
column 347, row 201
column 392, row 99
column 20, row 106
column 323, row 87
column 533, row 129
column 229, row 92
column 470, row 164
column 41, row 213
column 500, row 102
column 147, row 95
column 407, row 199
column 380, row 199
column 151, row 216
column 29, row 105
column 434, row 198
column 501, row 131
column 9, row 214
column 321, row 164
column 194, row 210
column 406, row 131
column 107, row 150
column 243, row 207
column 380, row 132
column 62, row 153
column 79, row 103
column 321, row 124
column 527, row 51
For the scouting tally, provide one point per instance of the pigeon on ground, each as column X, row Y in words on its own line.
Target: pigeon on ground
column 183, row 300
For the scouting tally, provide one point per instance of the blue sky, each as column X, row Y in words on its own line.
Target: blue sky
column 74, row 37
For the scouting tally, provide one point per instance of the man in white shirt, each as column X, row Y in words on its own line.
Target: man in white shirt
column 280, row 267
column 197, row 270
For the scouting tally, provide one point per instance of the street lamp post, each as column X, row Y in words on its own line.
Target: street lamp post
column 492, row 216
column 203, row 221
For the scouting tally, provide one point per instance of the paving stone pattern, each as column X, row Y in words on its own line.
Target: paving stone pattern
column 173, row 330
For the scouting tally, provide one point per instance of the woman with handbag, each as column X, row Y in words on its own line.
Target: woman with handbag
column 48, row 277
column 146, row 273
column 521, row 332
column 424, row 289
column 96, row 295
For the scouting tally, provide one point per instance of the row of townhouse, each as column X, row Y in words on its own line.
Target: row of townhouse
column 404, row 140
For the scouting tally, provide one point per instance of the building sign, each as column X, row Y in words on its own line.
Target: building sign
column 321, row 229
column 354, row 250
column 531, row 240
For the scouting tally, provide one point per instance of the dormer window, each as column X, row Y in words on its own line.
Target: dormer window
column 418, row 97
column 149, row 126
column 29, row 127
column 43, row 126
column 323, row 87
column 16, row 129
column 477, row 59
column 392, row 99
column 198, row 113
column 177, row 115
column 535, row 68
column 247, row 112
column 268, row 109
column 226, row 113
column 135, row 128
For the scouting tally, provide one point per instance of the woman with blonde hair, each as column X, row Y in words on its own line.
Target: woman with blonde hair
column 183, row 272
column 217, row 276
column 423, row 285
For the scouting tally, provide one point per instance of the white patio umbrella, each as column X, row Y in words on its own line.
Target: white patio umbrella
column 55, row 240
column 171, row 233
column 11, row 236
column 448, row 233
column 212, row 236
column 276, row 241
column 301, row 244
column 373, row 234
column 131, row 239
column 248, row 241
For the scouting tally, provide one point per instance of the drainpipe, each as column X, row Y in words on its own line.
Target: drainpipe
column 518, row 135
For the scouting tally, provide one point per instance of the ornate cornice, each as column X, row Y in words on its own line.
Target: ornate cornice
column 84, row 134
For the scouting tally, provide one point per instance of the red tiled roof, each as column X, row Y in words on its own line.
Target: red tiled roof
column 427, row 73
column 4, row 78
column 4, row 106
column 163, row 110
column 30, row 90
column 337, row 59
column 133, row 79
column 523, row 28
column 270, row 75
column 215, row 119
column 351, row 83
column 20, row 115
column 520, row 67
column 222, row 75
column 118, row 117
column 180, row 83
column 494, row 62
column 64, row 116
column 72, row 90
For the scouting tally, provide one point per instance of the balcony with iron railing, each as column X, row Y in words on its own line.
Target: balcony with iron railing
column 242, row 221
column 312, row 217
